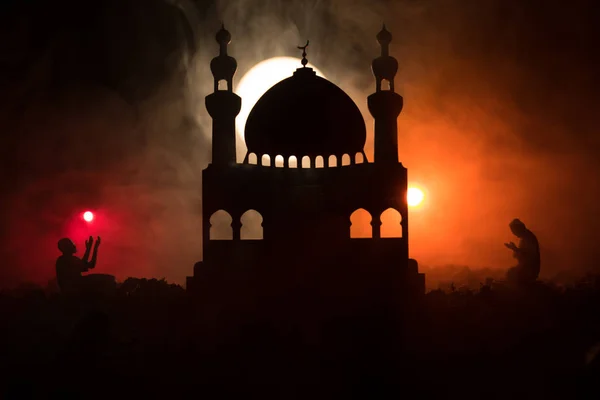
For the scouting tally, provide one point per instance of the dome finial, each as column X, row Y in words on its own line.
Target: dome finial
column 384, row 37
column 223, row 36
column 303, row 48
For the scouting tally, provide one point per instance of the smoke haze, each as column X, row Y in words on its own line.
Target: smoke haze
column 104, row 110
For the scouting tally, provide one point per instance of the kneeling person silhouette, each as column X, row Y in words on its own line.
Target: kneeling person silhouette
column 69, row 269
column 527, row 255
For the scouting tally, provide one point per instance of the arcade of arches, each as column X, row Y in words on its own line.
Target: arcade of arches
column 361, row 225
column 305, row 162
column 250, row 227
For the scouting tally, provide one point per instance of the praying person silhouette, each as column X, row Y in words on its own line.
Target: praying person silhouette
column 527, row 255
column 70, row 267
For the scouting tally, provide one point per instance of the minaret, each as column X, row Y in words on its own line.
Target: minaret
column 223, row 105
column 385, row 105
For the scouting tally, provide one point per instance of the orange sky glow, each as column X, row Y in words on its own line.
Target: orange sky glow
column 483, row 133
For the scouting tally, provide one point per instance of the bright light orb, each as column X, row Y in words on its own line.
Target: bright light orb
column 261, row 78
column 88, row 216
column 414, row 196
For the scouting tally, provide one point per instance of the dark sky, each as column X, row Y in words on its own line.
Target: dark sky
column 101, row 107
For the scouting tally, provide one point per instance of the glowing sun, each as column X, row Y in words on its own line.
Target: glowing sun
column 259, row 79
column 414, row 196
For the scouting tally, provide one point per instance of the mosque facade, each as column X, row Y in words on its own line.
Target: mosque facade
column 288, row 215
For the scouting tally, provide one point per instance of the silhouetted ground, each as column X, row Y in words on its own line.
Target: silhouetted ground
column 152, row 340
column 462, row 276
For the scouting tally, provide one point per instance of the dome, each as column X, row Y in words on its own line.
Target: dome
column 305, row 115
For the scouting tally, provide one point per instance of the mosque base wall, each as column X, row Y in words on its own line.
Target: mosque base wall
column 358, row 269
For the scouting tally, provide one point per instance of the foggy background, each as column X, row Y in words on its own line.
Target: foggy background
column 102, row 108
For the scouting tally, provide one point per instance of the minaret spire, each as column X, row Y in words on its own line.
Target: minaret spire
column 385, row 105
column 223, row 66
column 384, row 67
column 223, row 105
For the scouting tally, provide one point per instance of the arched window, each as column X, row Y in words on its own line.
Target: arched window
column 266, row 160
column 332, row 161
column 345, row 159
column 386, row 84
column 251, row 225
column 319, row 162
column 222, row 84
column 391, row 224
column 306, row 162
column 252, row 159
column 360, row 224
column 279, row 161
column 359, row 158
column 220, row 226
column 293, row 162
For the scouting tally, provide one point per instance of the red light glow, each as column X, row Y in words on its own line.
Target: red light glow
column 88, row 216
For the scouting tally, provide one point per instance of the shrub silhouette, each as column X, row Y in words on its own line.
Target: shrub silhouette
column 153, row 332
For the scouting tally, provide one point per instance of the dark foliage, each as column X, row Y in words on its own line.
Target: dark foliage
column 151, row 339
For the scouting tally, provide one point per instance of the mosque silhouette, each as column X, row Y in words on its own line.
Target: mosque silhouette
column 287, row 217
